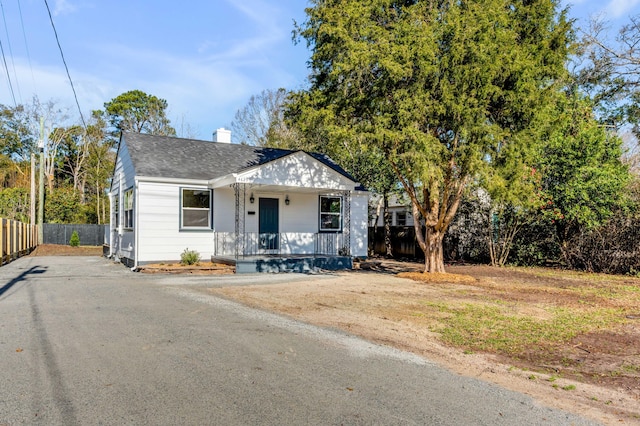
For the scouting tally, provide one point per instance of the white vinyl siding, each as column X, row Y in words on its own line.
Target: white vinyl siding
column 359, row 221
column 297, row 170
column 123, row 177
column 159, row 215
column 224, row 202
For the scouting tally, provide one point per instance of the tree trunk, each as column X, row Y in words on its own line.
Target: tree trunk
column 433, row 257
column 430, row 241
column 98, row 218
column 492, row 239
column 387, row 226
column 103, row 207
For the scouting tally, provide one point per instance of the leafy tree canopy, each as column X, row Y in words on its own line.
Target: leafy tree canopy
column 582, row 174
column 136, row 111
column 14, row 204
column 442, row 88
column 63, row 205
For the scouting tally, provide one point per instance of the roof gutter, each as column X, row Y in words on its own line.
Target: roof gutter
column 136, row 229
column 153, row 179
column 223, row 180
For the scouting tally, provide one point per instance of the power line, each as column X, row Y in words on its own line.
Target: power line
column 13, row 63
column 65, row 65
column 8, row 76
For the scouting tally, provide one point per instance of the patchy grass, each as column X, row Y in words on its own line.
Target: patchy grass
column 585, row 325
column 501, row 329
column 511, row 317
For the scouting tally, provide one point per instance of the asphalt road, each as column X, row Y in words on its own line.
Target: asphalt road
column 86, row 341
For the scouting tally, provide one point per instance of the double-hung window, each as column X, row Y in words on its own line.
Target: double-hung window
column 128, row 209
column 330, row 213
column 195, row 208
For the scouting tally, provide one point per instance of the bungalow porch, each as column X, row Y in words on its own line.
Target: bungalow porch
column 286, row 228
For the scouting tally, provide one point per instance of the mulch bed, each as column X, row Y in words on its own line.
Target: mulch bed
column 202, row 268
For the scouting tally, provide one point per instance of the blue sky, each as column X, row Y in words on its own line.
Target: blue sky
column 206, row 58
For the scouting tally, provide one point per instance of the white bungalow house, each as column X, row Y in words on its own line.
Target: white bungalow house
column 263, row 209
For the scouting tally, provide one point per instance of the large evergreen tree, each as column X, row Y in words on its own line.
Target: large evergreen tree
column 446, row 89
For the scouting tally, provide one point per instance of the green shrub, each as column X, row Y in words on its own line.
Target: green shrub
column 189, row 257
column 75, row 239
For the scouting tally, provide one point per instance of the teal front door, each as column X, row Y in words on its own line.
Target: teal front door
column 268, row 223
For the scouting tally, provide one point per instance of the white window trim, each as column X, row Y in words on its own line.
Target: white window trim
column 184, row 227
column 128, row 226
column 340, row 214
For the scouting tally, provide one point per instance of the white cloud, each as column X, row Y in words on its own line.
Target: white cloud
column 268, row 32
column 258, row 11
column 620, row 8
column 573, row 2
column 63, row 7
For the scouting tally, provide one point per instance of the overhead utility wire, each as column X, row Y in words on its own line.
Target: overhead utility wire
column 65, row 66
column 13, row 95
column 26, row 45
column 13, row 63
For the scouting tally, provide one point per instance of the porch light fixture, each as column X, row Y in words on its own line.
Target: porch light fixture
column 286, row 200
column 252, row 198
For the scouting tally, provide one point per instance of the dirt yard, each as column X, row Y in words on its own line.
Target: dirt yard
column 61, row 250
column 568, row 339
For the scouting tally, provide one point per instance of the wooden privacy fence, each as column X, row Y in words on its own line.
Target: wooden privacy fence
column 403, row 242
column 17, row 239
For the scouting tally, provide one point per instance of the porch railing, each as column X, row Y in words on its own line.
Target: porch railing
column 278, row 244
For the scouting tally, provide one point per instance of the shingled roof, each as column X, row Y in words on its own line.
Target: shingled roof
column 169, row 157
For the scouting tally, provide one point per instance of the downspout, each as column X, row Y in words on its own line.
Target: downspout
column 120, row 213
column 111, row 229
column 136, row 231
